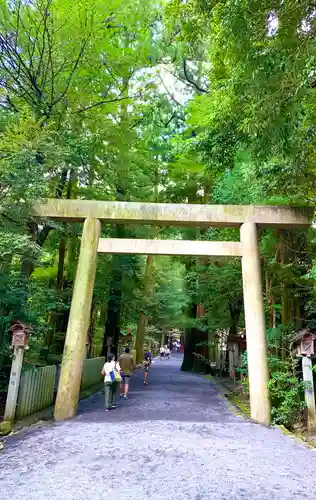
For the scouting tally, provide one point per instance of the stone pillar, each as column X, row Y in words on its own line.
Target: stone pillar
column 309, row 392
column 78, row 324
column 255, row 325
column 14, row 383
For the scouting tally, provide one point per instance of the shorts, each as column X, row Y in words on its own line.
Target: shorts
column 162, row 354
column 125, row 379
column 147, row 369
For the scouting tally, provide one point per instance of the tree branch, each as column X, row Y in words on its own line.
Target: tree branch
column 101, row 103
column 15, row 109
column 190, row 80
column 169, row 93
column 44, row 36
column 75, row 66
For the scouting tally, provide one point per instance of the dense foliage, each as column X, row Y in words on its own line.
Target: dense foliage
column 199, row 101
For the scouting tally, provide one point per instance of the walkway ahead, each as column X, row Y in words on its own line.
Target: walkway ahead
column 175, row 439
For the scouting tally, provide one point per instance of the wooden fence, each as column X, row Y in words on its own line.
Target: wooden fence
column 36, row 390
column 37, row 386
column 91, row 373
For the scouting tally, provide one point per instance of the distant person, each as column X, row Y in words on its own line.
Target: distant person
column 168, row 353
column 147, row 365
column 126, row 362
column 108, row 371
column 162, row 352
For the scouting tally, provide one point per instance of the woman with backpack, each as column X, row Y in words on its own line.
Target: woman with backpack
column 112, row 378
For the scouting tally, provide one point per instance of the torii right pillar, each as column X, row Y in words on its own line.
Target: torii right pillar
column 255, row 325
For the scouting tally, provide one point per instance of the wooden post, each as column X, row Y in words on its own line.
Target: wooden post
column 78, row 324
column 231, row 361
column 309, row 392
column 14, row 384
column 211, row 349
column 255, row 325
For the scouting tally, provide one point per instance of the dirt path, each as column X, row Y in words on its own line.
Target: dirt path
column 175, row 439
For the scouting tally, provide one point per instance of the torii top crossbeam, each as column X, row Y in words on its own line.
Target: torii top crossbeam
column 163, row 214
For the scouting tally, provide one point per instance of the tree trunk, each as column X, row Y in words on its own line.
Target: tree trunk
column 189, row 342
column 113, row 317
column 162, row 339
column 61, row 262
column 27, row 265
column 142, row 318
column 287, row 305
column 61, row 317
column 91, row 327
column 140, row 334
column 190, row 335
column 235, row 311
column 40, row 236
column 270, row 300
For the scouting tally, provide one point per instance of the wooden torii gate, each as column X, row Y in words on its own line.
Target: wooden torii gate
column 246, row 217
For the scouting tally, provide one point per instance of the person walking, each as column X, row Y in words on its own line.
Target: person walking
column 108, row 371
column 126, row 362
column 162, row 353
column 147, row 364
column 117, row 381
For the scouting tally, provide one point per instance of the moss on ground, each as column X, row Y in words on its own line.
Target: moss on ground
column 240, row 402
column 303, row 438
column 5, row 428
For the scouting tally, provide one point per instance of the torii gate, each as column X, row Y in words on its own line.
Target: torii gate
column 246, row 217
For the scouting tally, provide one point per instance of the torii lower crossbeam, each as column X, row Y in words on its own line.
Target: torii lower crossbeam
column 169, row 247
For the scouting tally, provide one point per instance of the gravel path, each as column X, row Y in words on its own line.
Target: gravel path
column 175, row 439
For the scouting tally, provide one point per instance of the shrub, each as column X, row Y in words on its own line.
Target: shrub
column 286, row 392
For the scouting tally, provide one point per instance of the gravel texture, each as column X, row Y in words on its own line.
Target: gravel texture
column 174, row 439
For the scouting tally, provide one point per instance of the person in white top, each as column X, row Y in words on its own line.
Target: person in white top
column 162, row 352
column 111, row 372
column 168, row 353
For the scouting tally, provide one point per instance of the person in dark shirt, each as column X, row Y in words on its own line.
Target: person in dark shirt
column 146, row 364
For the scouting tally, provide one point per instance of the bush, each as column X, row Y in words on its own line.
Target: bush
column 285, row 388
column 286, row 392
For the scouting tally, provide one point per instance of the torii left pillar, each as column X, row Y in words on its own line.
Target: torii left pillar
column 78, row 324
